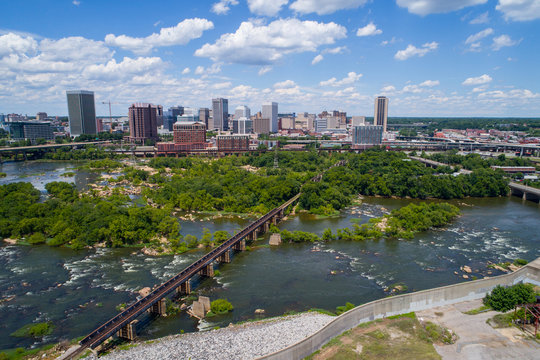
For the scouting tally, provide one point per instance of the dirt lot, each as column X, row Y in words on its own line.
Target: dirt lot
column 477, row 339
column 398, row 338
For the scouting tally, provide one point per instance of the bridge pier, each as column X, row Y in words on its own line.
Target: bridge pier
column 208, row 270
column 240, row 246
column 128, row 332
column 160, row 307
column 184, row 289
column 225, row 258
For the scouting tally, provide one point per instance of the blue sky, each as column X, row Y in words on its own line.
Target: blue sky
column 430, row 57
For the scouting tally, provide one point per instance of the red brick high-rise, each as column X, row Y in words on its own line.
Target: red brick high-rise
column 143, row 121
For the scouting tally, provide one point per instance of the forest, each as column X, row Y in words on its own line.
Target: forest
column 227, row 185
column 248, row 184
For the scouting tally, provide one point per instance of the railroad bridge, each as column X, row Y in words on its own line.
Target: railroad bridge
column 123, row 324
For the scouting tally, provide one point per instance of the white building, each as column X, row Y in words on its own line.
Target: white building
column 270, row 111
column 242, row 111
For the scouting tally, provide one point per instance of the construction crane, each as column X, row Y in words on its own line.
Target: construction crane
column 110, row 114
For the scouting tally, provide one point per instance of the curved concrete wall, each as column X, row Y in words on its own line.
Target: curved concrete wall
column 405, row 303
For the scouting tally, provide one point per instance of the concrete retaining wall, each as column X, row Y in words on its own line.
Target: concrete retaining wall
column 405, row 303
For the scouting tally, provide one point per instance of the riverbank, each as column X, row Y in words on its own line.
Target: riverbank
column 242, row 341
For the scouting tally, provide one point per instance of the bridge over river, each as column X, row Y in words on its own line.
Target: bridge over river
column 123, row 324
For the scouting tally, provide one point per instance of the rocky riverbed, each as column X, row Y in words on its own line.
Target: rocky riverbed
column 244, row 341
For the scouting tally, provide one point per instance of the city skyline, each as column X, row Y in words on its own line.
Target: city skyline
column 430, row 57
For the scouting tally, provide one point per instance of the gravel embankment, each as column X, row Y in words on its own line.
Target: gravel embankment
column 245, row 341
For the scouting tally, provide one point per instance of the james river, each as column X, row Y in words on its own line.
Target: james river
column 78, row 290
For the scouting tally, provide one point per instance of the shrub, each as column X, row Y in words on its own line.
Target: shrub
column 37, row 238
column 501, row 299
column 505, row 298
column 341, row 309
column 520, row 262
column 220, row 306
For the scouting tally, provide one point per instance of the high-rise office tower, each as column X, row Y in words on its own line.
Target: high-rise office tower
column 143, row 121
column 270, row 112
column 204, row 117
column 381, row 112
column 82, row 112
column 220, row 112
column 242, row 111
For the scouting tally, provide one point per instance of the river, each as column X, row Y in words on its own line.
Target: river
column 77, row 290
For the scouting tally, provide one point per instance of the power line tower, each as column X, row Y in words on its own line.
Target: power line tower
column 276, row 165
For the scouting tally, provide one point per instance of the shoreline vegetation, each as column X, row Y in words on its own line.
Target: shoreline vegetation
column 139, row 205
column 401, row 223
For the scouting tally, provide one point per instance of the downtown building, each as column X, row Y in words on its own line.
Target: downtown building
column 220, row 113
column 270, row 114
column 367, row 135
column 242, row 125
column 188, row 136
column 31, row 130
column 204, row 117
column 232, row 143
column 381, row 112
column 82, row 112
column 143, row 121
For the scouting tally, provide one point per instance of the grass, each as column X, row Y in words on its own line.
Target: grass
column 21, row 353
column 502, row 320
column 479, row 310
column 397, row 337
column 34, row 330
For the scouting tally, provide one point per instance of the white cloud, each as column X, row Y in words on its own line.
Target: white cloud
column 186, row 71
column 368, row 30
column 521, row 94
column 478, row 36
column 389, row 88
column 426, row 7
column 322, row 7
column 199, row 70
column 223, row 6
column 391, row 41
column 480, row 19
column 259, row 44
column 519, row 10
column 263, row 70
column 333, row 51
column 124, row 69
column 266, row 7
column 285, row 84
column 336, row 50
column 483, row 79
column 412, row 50
column 317, row 59
column 415, row 89
column 480, row 88
column 13, row 43
column 430, row 83
column 351, row 78
column 76, row 2
column 503, row 41
column 214, row 69
column 180, row 34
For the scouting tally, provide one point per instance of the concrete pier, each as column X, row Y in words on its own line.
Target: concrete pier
column 128, row 332
column 207, row 270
